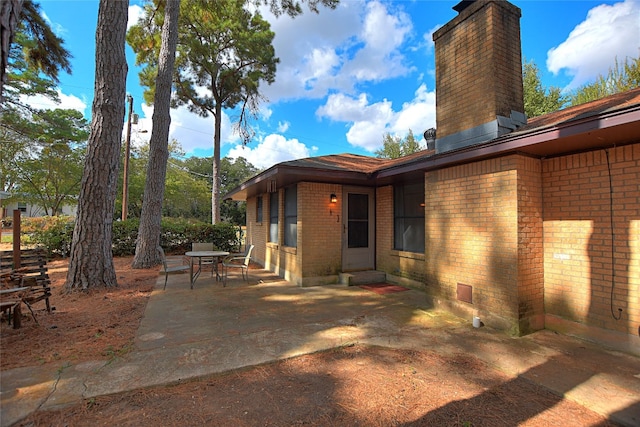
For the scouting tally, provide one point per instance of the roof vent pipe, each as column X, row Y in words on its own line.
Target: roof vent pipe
column 430, row 137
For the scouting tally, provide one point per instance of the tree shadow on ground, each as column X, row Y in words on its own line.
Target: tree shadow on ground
column 502, row 404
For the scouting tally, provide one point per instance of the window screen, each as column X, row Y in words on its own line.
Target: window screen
column 273, row 217
column 291, row 217
column 408, row 217
column 259, row 209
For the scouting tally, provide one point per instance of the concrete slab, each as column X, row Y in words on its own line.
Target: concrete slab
column 189, row 333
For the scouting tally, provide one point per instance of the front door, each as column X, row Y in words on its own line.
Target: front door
column 358, row 229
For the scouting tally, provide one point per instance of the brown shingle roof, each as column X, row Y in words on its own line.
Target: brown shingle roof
column 340, row 162
column 590, row 109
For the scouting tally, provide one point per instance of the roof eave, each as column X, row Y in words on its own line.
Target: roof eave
column 283, row 175
column 540, row 142
column 562, row 138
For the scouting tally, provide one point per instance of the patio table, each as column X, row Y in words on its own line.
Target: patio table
column 203, row 254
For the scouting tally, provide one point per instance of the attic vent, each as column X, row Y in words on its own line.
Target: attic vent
column 271, row 186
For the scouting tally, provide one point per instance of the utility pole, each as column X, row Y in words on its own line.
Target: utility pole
column 127, row 149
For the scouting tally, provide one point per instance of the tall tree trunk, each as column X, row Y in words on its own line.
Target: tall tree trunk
column 149, row 231
column 9, row 19
column 91, row 260
column 215, row 188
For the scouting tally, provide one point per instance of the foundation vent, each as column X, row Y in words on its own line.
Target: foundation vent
column 465, row 293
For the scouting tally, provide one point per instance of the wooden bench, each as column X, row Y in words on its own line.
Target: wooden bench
column 29, row 283
column 10, row 302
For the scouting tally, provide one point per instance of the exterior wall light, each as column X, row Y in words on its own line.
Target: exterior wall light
column 333, row 199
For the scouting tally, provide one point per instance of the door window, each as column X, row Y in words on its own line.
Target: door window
column 358, row 221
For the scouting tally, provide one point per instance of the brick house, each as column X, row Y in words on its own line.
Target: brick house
column 527, row 224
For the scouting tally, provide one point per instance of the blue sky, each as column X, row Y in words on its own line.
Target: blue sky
column 350, row 75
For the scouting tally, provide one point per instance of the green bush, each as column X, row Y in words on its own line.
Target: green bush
column 223, row 235
column 55, row 234
column 174, row 234
column 125, row 234
column 178, row 234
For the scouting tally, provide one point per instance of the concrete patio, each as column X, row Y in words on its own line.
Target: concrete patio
column 189, row 333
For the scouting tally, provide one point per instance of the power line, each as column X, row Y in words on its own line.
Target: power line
column 184, row 169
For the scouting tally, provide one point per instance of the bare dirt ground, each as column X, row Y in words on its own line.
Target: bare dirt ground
column 350, row 386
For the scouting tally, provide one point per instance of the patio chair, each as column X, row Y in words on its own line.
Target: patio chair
column 173, row 268
column 241, row 262
column 206, row 261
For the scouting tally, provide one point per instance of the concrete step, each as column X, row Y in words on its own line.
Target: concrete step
column 355, row 278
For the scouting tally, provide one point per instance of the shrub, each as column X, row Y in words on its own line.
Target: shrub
column 55, row 234
column 174, row 235
column 178, row 234
column 125, row 234
column 223, row 235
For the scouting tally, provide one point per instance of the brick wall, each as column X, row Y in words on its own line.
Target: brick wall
column 384, row 230
column 471, row 232
column 530, row 246
column 257, row 231
column 317, row 259
column 534, row 238
column 478, row 67
column 586, row 261
column 319, row 231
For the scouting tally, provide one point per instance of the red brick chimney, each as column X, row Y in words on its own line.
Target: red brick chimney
column 479, row 93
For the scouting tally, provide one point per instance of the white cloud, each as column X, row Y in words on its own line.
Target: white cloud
column 321, row 62
column 341, row 107
column 369, row 122
column 67, row 102
column 58, row 29
column 303, row 43
column 283, row 126
column 427, row 38
column 418, row 115
column 272, row 149
column 336, row 50
column 609, row 31
column 190, row 130
column 383, row 33
column 135, row 13
column 265, row 113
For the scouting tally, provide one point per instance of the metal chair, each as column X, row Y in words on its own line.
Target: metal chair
column 206, row 261
column 241, row 262
column 171, row 268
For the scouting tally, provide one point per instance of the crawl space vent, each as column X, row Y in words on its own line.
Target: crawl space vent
column 465, row 293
